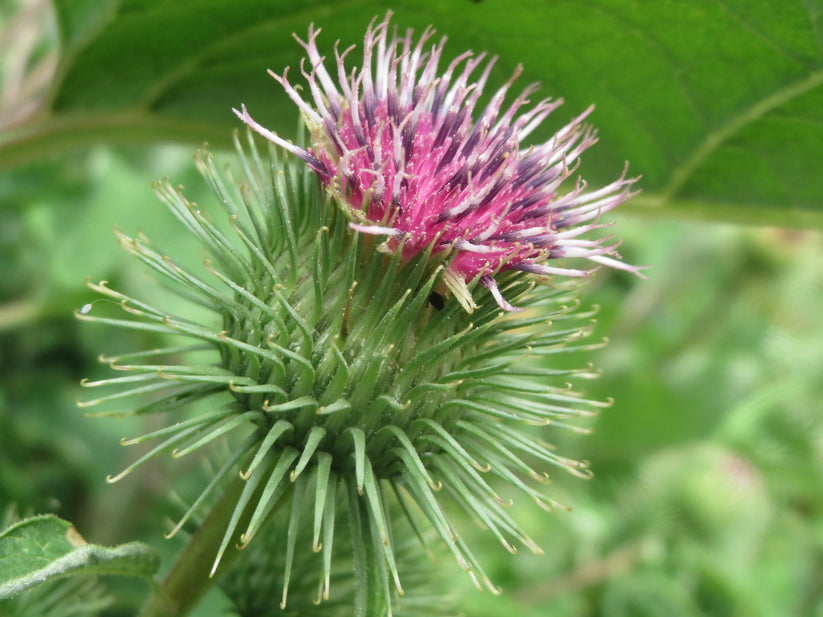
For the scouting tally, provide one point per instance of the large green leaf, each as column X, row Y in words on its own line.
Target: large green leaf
column 717, row 103
column 45, row 548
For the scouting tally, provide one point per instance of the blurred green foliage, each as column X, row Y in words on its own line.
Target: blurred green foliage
column 708, row 493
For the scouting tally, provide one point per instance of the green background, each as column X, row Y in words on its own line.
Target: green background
column 707, row 495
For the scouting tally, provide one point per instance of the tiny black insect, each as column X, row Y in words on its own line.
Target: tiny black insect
column 437, row 301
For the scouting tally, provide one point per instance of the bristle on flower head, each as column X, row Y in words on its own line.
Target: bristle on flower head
column 397, row 141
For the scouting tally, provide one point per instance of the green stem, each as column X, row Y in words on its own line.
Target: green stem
column 189, row 578
column 58, row 133
column 19, row 313
column 654, row 206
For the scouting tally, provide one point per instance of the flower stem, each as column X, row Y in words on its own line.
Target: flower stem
column 62, row 132
column 188, row 580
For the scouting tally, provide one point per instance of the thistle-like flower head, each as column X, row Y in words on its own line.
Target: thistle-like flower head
column 349, row 395
column 400, row 145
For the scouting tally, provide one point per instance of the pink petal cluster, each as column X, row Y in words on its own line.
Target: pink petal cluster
column 397, row 142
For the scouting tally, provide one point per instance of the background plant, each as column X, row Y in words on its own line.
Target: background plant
column 708, row 466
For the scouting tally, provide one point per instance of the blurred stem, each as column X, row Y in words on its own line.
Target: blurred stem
column 26, row 77
column 593, row 572
column 652, row 205
column 189, row 580
column 18, row 313
column 57, row 133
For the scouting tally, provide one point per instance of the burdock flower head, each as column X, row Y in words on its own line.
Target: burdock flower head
column 349, row 390
column 398, row 143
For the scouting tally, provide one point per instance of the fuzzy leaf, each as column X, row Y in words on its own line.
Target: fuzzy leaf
column 44, row 548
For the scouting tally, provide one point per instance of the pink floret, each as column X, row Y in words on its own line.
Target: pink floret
column 397, row 142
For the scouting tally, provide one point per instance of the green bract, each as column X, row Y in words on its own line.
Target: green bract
column 348, row 388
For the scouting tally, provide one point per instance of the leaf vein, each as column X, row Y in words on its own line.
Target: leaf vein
column 747, row 25
column 722, row 134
